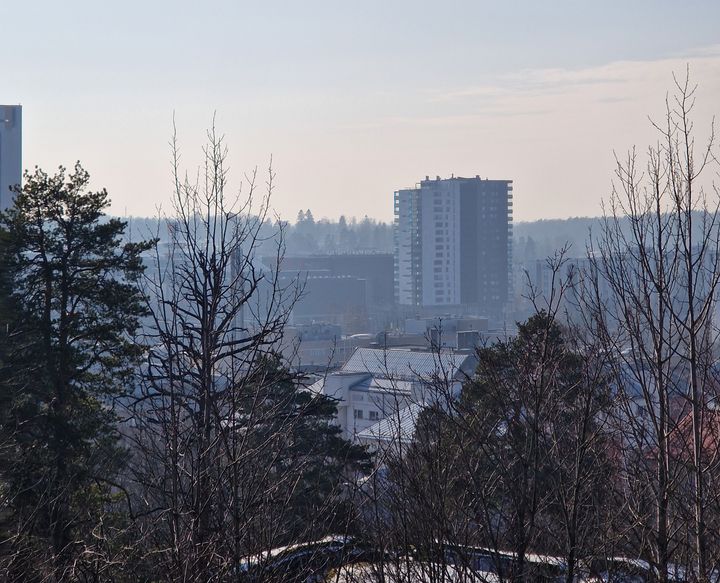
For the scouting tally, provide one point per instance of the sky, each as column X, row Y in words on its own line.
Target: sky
column 353, row 100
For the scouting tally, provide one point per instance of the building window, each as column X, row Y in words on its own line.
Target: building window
column 358, row 413
column 374, row 416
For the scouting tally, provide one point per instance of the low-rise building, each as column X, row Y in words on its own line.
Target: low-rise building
column 379, row 392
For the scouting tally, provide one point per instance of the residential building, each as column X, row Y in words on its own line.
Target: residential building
column 380, row 391
column 453, row 245
column 10, row 152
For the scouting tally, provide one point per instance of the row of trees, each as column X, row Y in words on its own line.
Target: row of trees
column 148, row 429
column 308, row 235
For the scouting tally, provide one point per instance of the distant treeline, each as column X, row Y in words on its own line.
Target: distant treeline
column 307, row 235
column 531, row 239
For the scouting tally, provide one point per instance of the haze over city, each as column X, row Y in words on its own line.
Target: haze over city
column 355, row 100
column 372, row 292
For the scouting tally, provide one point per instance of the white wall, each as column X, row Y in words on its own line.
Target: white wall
column 441, row 242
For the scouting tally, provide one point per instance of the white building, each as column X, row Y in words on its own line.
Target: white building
column 453, row 243
column 380, row 391
column 10, row 152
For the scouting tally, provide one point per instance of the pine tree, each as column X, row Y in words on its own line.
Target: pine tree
column 536, row 405
column 304, row 447
column 72, row 284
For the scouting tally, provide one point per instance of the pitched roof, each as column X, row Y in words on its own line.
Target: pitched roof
column 409, row 364
column 375, row 384
column 397, row 426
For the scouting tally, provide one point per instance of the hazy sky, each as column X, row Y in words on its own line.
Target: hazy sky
column 354, row 99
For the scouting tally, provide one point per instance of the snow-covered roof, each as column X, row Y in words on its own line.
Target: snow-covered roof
column 409, row 364
column 383, row 385
column 396, row 427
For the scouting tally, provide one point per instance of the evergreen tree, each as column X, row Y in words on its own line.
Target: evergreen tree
column 303, row 445
column 76, row 306
column 536, row 407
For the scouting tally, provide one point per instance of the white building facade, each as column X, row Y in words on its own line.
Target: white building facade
column 380, row 391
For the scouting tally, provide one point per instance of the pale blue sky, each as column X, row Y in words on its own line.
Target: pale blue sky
column 354, row 99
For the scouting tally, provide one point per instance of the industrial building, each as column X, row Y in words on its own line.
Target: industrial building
column 353, row 290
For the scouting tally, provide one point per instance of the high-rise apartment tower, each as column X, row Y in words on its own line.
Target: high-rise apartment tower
column 10, row 152
column 453, row 244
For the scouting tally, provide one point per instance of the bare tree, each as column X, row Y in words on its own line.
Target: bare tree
column 651, row 291
column 225, row 438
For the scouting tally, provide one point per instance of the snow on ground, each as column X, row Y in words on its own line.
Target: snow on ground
column 409, row 571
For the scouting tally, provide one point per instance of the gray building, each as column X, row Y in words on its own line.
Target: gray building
column 10, row 152
column 375, row 268
column 453, row 242
column 354, row 290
